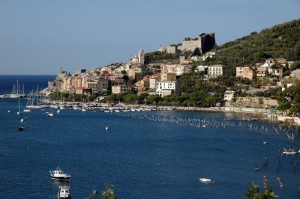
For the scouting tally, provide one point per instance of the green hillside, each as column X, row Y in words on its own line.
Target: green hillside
column 279, row 41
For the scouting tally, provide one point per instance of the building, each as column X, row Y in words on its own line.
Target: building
column 228, row 95
column 120, row 89
column 98, row 86
column 164, row 88
column 245, row 72
column 215, row 71
column 142, row 85
column 172, row 49
column 276, row 70
column 261, row 72
column 205, row 42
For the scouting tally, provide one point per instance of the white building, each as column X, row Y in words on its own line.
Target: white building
column 228, row 95
column 215, row 71
column 164, row 88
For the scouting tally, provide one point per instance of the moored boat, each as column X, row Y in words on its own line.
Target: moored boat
column 20, row 128
column 59, row 175
column 289, row 151
column 64, row 192
column 206, row 180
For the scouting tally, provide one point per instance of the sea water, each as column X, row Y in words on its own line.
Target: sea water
column 143, row 154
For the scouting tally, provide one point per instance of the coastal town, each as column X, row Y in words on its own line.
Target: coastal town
column 184, row 77
column 143, row 80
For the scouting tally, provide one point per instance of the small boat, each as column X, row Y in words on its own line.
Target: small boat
column 206, row 180
column 265, row 142
column 59, row 175
column 106, row 128
column 27, row 110
column 64, row 192
column 289, row 151
column 8, row 111
column 49, row 114
column 23, row 119
column 20, row 128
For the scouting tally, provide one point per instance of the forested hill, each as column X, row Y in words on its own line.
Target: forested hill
column 279, row 41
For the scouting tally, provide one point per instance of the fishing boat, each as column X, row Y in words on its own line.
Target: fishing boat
column 206, row 180
column 289, row 151
column 59, row 175
column 64, row 192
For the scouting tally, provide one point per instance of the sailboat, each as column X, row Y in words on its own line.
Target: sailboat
column 16, row 92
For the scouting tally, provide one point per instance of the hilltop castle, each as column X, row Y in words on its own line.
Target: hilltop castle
column 204, row 42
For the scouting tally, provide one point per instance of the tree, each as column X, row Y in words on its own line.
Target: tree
column 108, row 193
column 253, row 192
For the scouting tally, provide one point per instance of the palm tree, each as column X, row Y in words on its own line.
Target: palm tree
column 253, row 190
column 109, row 192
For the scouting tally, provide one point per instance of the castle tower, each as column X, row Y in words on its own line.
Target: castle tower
column 141, row 57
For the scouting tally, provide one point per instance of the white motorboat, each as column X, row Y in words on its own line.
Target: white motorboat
column 206, row 180
column 58, row 174
column 64, row 192
column 27, row 110
column 289, row 151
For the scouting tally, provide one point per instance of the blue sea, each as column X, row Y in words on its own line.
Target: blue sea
column 147, row 155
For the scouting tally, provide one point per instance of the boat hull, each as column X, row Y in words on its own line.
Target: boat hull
column 61, row 178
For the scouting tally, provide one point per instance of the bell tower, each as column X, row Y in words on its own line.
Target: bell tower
column 142, row 57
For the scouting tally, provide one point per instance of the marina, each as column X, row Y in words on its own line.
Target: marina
column 143, row 147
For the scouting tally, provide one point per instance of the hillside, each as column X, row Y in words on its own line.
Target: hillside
column 279, row 41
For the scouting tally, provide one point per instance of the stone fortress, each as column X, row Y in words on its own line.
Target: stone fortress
column 204, row 42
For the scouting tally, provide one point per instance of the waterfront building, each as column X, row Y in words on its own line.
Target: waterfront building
column 164, row 88
column 153, row 79
column 118, row 89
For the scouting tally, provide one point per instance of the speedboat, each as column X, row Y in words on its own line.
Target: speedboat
column 59, row 175
column 206, row 180
column 289, row 151
column 64, row 192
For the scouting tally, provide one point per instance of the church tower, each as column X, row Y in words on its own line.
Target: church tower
column 142, row 57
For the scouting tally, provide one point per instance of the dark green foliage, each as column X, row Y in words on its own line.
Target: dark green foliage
column 289, row 100
column 71, row 97
column 280, row 41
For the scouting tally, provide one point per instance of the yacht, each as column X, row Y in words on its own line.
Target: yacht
column 58, row 174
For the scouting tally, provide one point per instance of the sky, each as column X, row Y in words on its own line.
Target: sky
column 40, row 36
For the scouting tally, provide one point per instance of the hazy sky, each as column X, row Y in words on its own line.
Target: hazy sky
column 40, row 36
